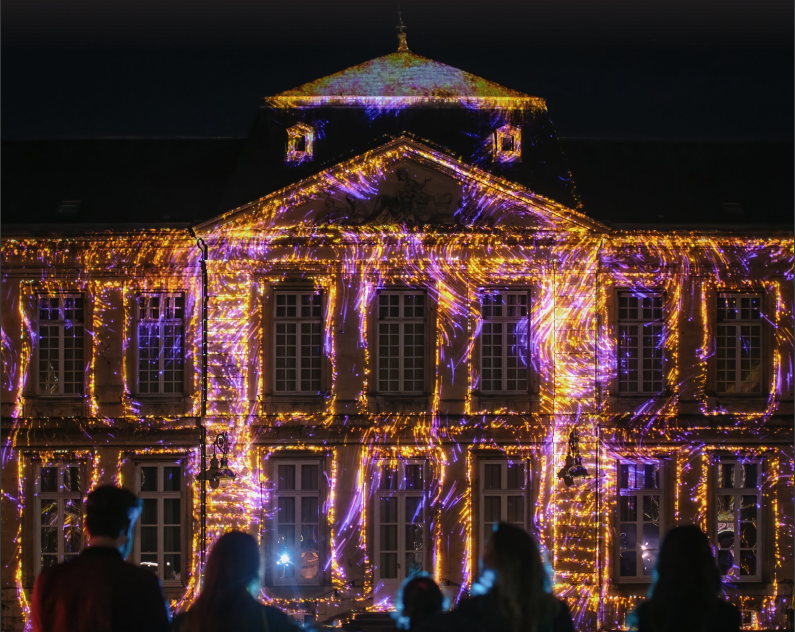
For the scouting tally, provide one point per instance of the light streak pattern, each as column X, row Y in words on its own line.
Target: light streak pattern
column 572, row 266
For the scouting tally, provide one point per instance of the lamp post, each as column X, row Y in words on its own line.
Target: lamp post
column 574, row 467
column 219, row 475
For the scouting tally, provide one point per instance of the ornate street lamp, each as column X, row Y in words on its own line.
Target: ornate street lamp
column 219, row 475
column 574, row 467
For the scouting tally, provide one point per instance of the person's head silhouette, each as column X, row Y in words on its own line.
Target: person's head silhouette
column 521, row 588
column 419, row 599
column 686, row 581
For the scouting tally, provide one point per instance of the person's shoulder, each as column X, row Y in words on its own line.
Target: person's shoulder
column 727, row 615
column 561, row 617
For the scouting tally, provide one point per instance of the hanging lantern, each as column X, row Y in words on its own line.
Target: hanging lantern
column 573, row 467
column 219, row 475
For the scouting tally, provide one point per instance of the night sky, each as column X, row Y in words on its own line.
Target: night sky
column 673, row 69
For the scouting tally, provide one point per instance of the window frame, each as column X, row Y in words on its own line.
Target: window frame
column 162, row 322
column 320, row 494
column 60, row 497
column 61, row 323
column 391, row 584
column 507, row 155
column 503, row 493
column 641, row 323
column 295, row 132
column 505, row 320
column 738, row 493
column 639, row 493
column 739, row 323
column 160, row 496
column 402, row 320
column 298, row 320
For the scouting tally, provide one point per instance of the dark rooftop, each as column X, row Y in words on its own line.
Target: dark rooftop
column 152, row 182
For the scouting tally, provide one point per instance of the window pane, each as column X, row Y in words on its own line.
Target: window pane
column 748, row 562
column 648, row 560
column 491, row 509
column 389, row 477
column 309, row 477
column 149, row 513
column 727, row 475
column 389, row 565
column 286, row 477
column 171, row 479
column 171, row 511
column 414, row 509
column 149, row 479
column 516, row 509
column 172, row 566
column 149, row 562
column 149, row 540
column 628, row 535
column 286, row 510
column 492, row 476
column 389, row 509
column 389, row 537
column 750, row 474
column 628, row 563
column 309, row 510
column 73, row 525
column 171, row 543
column 628, row 508
column 515, row 475
column 414, row 476
column 49, row 479
column 71, row 479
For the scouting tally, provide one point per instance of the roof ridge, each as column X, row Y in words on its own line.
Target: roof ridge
column 402, row 73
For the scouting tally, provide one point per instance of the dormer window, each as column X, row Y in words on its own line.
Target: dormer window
column 507, row 144
column 300, row 140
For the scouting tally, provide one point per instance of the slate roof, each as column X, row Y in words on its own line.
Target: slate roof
column 403, row 74
column 654, row 184
column 116, row 180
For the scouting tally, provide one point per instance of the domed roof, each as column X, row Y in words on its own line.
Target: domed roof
column 403, row 76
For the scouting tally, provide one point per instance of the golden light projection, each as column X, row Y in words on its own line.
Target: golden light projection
column 574, row 271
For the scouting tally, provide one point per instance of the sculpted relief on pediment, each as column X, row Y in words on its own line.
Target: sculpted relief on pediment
column 412, row 199
column 407, row 195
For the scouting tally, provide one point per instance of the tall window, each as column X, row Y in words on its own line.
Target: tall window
column 297, row 502
column 739, row 527
column 640, row 354
column 160, row 525
column 503, row 485
column 401, row 342
column 400, row 518
column 161, row 343
column 61, row 345
column 739, row 347
column 503, row 342
column 639, row 519
column 298, row 342
column 59, row 514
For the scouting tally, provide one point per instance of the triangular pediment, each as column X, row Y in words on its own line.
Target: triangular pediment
column 403, row 183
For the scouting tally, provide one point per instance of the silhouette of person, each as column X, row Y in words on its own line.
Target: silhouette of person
column 518, row 595
column 99, row 590
column 419, row 599
column 227, row 601
column 684, row 595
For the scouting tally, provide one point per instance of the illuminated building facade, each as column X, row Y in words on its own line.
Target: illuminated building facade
column 400, row 314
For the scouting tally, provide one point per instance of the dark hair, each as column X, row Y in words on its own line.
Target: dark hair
column 108, row 510
column 686, row 582
column 224, row 599
column 420, row 598
column 521, row 587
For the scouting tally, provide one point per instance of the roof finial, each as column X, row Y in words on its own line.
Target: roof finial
column 403, row 47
